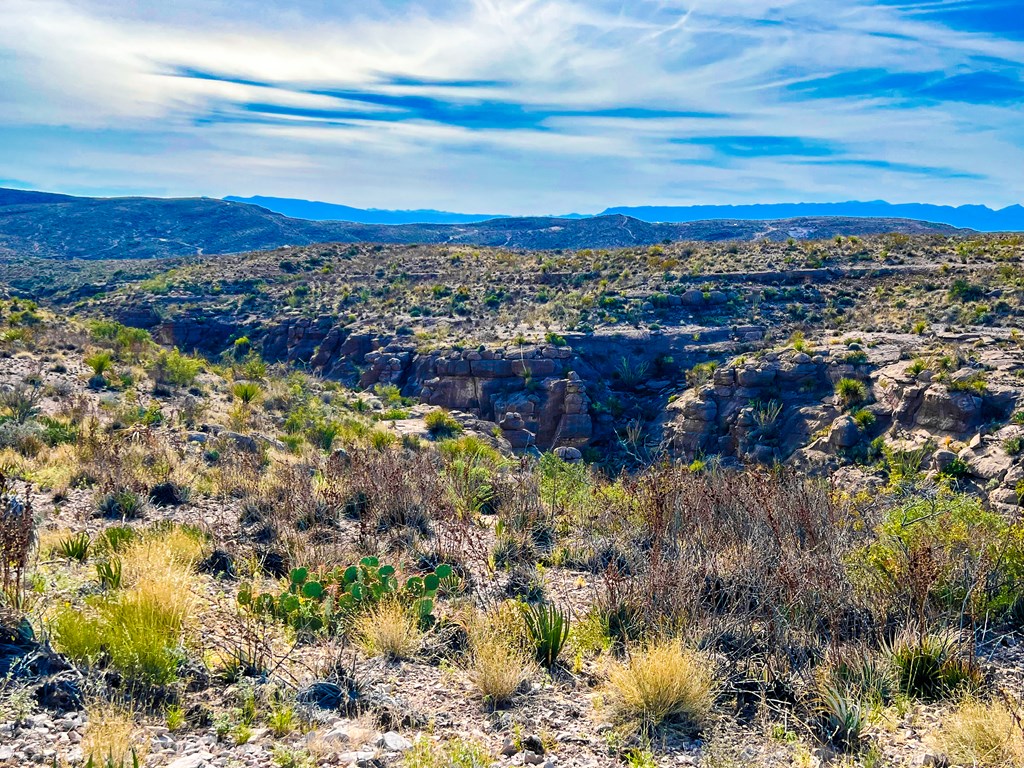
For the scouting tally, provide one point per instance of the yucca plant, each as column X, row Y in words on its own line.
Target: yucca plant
column 247, row 391
column 100, row 362
column 75, row 547
column 548, row 628
column 109, row 573
column 124, row 503
column 841, row 717
column 931, row 666
column 116, row 537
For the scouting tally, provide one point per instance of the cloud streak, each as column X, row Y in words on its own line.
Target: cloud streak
column 523, row 106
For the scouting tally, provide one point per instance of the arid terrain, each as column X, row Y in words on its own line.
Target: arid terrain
column 744, row 503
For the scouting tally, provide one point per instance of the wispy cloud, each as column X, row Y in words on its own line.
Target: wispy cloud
column 531, row 106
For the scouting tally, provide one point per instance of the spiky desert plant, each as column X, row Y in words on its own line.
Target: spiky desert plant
column 247, row 391
column 548, row 629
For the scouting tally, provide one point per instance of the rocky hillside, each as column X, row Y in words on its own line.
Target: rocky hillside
column 238, row 564
column 58, row 227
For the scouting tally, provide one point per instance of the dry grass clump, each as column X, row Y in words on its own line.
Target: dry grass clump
column 111, row 736
column 497, row 669
column 663, row 682
column 984, row 734
column 388, row 629
column 136, row 629
column 499, row 664
column 169, row 555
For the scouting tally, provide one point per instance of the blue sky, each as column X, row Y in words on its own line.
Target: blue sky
column 516, row 106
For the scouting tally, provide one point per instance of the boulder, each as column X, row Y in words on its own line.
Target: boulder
column 844, row 433
column 945, row 411
column 692, row 298
column 942, row 458
column 568, row 454
column 755, row 376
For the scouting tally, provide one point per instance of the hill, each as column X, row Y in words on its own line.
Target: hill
column 977, row 217
column 318, row 211
column 145, row 227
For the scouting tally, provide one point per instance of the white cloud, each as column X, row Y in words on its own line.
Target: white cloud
column 70, row 72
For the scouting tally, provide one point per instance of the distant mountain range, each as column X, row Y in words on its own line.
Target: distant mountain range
column 316, row 211
column 64, row 227
column 976, row 217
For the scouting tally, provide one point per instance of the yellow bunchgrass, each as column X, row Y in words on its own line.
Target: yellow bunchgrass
column 138, row 629
column 111, row 735
column 388, row 629
column 662, row 682
column 498, row 665
column 983, row 734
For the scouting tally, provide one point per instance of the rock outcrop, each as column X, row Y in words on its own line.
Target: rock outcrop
column 781, row 407
column 760, row 410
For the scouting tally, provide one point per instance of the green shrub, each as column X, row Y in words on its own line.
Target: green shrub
column 176, row 369
column 947, row 554
column 851, row 391
column 956, row 469
column 381, row 440
column 701, row 374
column 57, row 432
column 975, row 384
column 441, row 424
column 962, row 290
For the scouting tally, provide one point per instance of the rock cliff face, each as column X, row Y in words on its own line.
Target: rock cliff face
column 760, row 410
column 782, row 407
column 537, row 384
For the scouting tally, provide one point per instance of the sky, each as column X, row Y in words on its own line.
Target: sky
column 516, row 106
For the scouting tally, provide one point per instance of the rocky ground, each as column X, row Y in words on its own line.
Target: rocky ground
column 878, row 372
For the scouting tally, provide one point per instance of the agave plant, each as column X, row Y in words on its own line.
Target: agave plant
column 548, row 628
column 76, row 547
